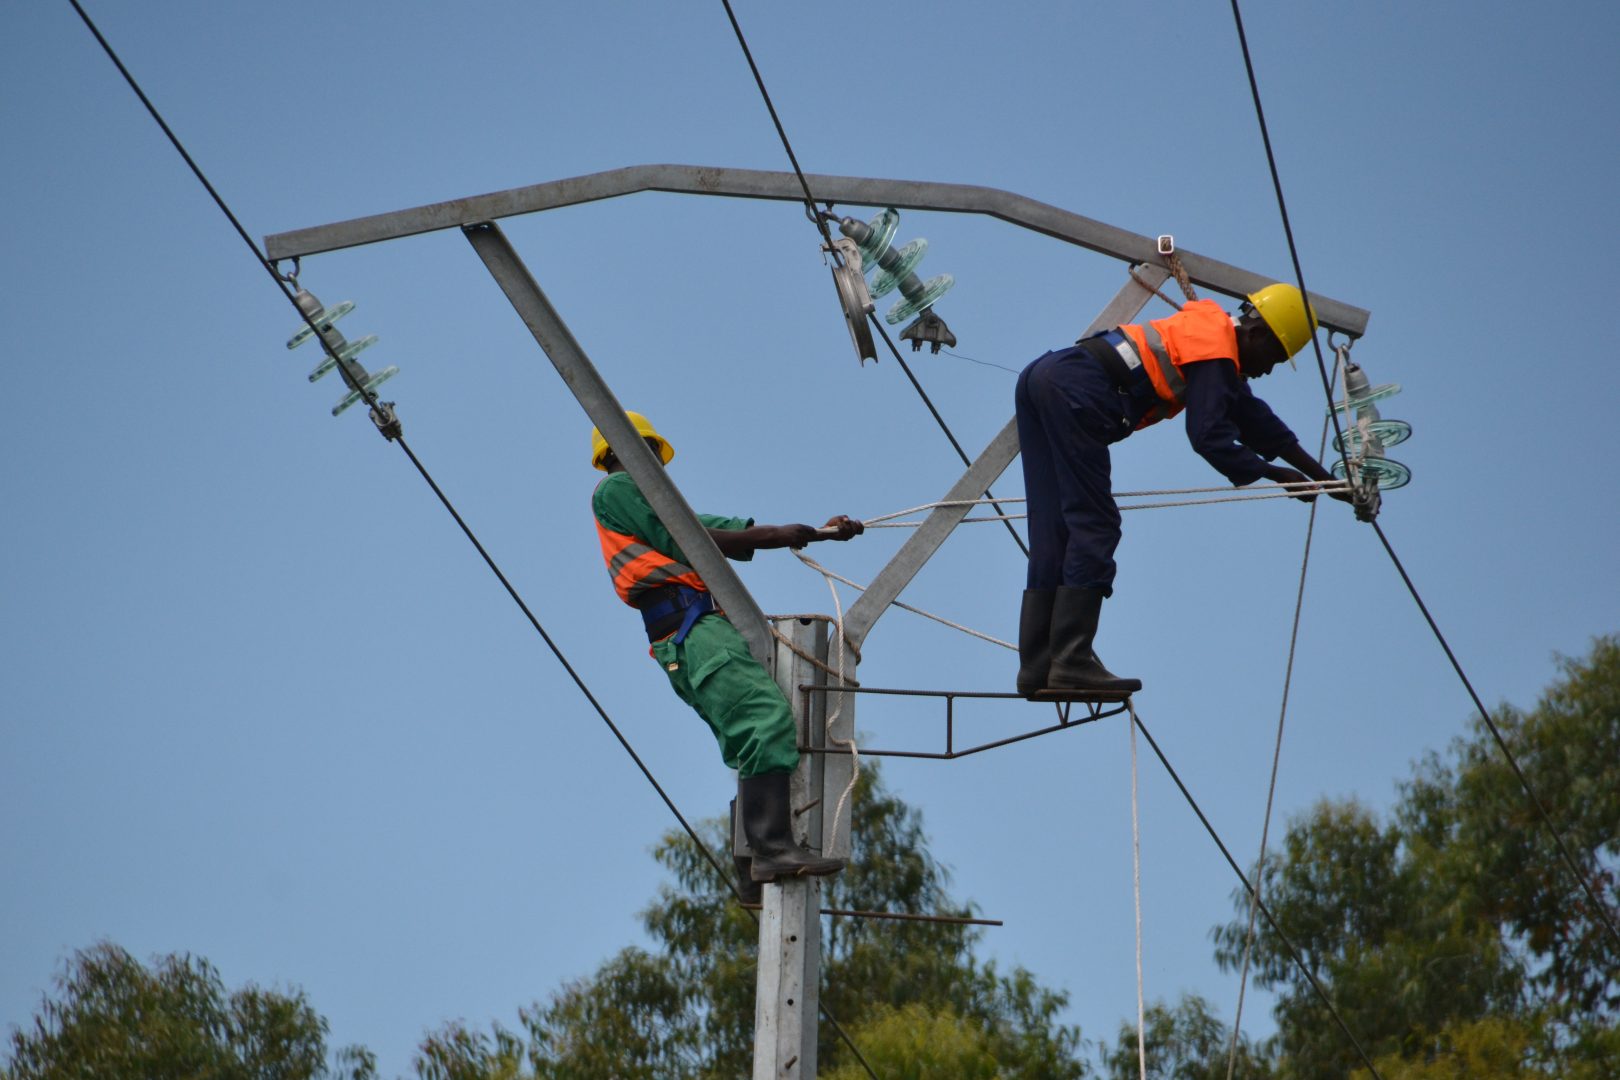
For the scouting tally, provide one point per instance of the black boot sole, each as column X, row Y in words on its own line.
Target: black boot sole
column 794, row 871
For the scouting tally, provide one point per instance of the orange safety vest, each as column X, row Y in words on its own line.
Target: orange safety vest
column 637, row 569
column 1199, row 331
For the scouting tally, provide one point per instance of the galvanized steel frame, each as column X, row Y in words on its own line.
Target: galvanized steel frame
column 475, row 216
column 604, row 409
column 1006, row 206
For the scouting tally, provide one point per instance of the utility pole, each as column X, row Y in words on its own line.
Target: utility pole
column 788, row 998
column 788, row 992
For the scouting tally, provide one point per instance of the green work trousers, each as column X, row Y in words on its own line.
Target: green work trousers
column 713, row 671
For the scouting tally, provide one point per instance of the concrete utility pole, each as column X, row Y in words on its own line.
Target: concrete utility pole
column 787, row 998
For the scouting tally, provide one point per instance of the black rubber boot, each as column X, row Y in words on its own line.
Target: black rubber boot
column 767, row 820
column 749, row 891
column 1075, row 666
column 1035, row 640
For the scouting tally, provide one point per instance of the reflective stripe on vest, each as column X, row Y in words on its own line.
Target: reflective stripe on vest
column 1199, row 331
column 1172, row 376
column 637, row 569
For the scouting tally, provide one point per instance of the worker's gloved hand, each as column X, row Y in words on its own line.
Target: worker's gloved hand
column 794, row 536
column 841, row 527
column 1282, row 475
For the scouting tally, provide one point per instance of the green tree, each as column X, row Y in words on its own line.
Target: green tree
column 112, row 1017
column 914, row 1042
column 1188, row 1042
column 686, row 1011
column 1453, row 937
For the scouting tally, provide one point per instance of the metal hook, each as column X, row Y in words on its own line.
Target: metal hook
column 290, row 278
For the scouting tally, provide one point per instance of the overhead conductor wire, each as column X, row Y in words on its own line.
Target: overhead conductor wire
column 1254, row 896
column 1276, row 759
column 826, row 235
column 371, row 399
column 1599, row 907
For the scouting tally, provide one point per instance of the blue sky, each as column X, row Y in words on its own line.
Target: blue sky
column 262, row 702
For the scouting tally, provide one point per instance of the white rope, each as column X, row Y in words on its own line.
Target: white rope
column 808, row 561
column 1136, row 881
column 1282, row 491
column 832, row 717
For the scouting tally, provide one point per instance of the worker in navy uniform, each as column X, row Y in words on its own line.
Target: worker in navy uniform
column 1074, row 403
column 706, row 660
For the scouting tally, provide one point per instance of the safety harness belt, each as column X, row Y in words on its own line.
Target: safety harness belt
column 675, row 609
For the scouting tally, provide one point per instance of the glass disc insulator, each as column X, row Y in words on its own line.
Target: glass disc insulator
column 370, row 384
column 1377, row 393
column 1387, row 432
column 932, row 290
column 877, row 240
column 1389, row 474
column 906, row 260
column 348, row 352
column 327, row 317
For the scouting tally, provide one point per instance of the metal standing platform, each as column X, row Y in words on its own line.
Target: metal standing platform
column 1097, row 707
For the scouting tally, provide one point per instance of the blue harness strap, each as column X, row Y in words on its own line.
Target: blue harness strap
column 660, row 615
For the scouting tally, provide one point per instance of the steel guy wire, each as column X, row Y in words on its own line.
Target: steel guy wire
column 1600, row 907
column 1254, row 894
column 371, row 400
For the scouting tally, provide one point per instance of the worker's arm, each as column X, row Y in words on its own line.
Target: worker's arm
column 1238, row 433
column 741, row 543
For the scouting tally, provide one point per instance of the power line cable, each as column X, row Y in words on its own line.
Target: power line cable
column 781, row 132
column 1276, row 761
column 422, row 469
column 821, row 224
column 371, row 399
column 1599, row 906
column 1019, row 540
column 1254, row 896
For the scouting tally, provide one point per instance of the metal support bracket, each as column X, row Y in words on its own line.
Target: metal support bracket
column 587, row 384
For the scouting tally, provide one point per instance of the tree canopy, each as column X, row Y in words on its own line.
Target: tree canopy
column 686, row 1011
column 1449, row 934
column 113, row 1017
column 1452, row 936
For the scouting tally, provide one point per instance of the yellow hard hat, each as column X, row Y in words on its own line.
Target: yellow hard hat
column 644, row 428
column 1283, row 309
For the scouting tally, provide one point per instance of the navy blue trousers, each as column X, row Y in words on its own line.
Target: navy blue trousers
column 1069, row 413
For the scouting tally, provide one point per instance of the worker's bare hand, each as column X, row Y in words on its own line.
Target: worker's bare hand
column 795, row 536
column 841, row 527
column 1282, row 475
